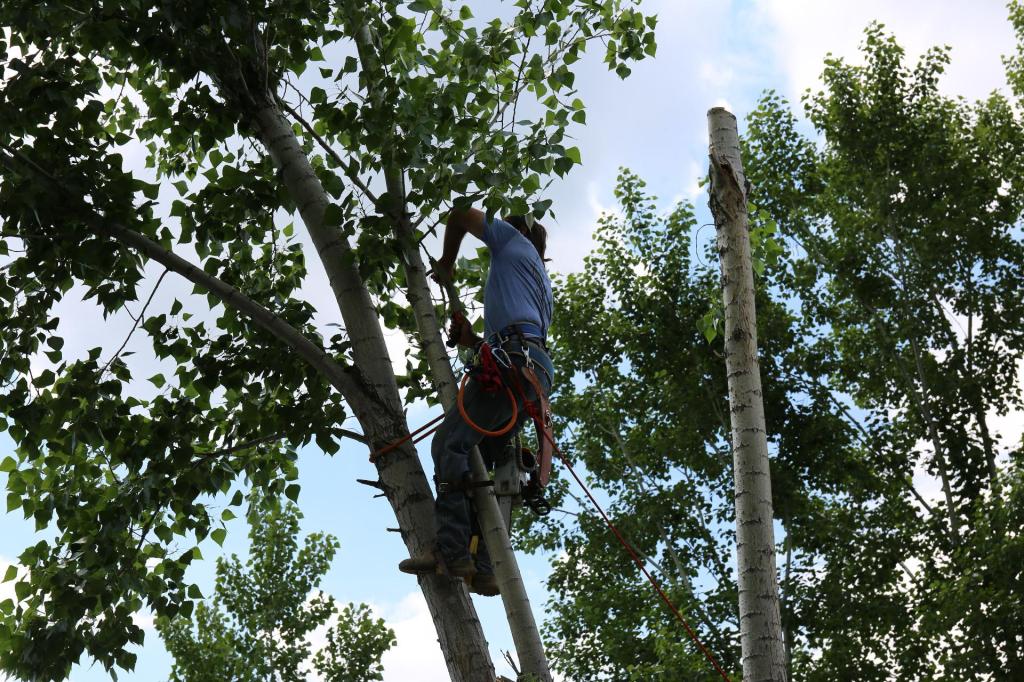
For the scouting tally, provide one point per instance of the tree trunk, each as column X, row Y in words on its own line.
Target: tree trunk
column 380, row 408
column 525, row 634
column 513, row 592
column 761, row 640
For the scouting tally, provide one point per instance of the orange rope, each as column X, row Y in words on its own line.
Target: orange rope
column 476, row 427
column 391, row 446
column 417, row 435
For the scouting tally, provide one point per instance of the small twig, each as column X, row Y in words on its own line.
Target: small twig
column 358, row 437
column 142, row 314
column 511, row 663
column 346, row 166
column 242, row 446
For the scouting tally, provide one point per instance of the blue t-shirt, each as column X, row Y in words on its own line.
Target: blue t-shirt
column 518, row 289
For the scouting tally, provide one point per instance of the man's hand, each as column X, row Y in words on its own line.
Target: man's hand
column 444, row 271
column 460, row 331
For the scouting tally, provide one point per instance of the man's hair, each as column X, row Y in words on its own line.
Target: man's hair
column 537, row 234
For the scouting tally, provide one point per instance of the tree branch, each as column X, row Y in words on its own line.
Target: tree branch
column 142, row 314
column 350, row 172
column 336, row 374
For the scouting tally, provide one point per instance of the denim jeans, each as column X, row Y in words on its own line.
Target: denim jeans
column 454, row 440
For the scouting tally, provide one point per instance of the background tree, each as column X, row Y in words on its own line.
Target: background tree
column 258, row 626
column 236, row 121
column 649, row 422
column 890, row 340
column 908, row 261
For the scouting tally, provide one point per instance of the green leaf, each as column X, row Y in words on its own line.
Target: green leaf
column 218, row 535
column 11, row 574
column 292, row 492
column 22, row 590
column 9, row 464
column 574, row 154
column 333, row 215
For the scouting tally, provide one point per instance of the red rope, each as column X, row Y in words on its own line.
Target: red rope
column 391, row 446
column 532, row 409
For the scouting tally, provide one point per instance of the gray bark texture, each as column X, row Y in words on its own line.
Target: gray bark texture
column 761, row 638
column 378, row 405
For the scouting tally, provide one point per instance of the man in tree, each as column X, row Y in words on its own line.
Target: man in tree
column 517, row 314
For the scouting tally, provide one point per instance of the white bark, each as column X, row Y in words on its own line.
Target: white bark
column 380, row 409
column 761, row 638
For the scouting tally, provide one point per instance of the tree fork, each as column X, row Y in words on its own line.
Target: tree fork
column 525, row 634
column 761, row 637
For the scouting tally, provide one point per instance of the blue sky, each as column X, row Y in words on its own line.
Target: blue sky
column 711, row 52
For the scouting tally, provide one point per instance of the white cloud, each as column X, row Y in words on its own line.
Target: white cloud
column 597, row 207
column 715, row 74
column 694, row 173
column 1008, row 429
column 724, row 103
column 417, row 655
column 144, row 619
column 803, row 32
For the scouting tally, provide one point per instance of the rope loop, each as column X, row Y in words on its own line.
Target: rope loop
column 476, row 427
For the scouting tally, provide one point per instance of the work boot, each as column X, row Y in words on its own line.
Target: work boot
column 484, row 584
column 428, row 563
column 460, row 568
column 419, row 565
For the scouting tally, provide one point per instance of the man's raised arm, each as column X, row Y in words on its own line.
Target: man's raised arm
column 460, row 222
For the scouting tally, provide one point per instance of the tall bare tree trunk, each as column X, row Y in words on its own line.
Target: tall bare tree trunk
column 761, row 639
column 379, row 407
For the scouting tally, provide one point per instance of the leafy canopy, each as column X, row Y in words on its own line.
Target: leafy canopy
column 257, row 627
column 118, row 473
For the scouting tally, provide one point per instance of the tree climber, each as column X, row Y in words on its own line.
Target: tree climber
column 517, row 313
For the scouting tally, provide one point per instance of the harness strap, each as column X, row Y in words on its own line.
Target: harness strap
column 540, row 411
column 461, row 486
